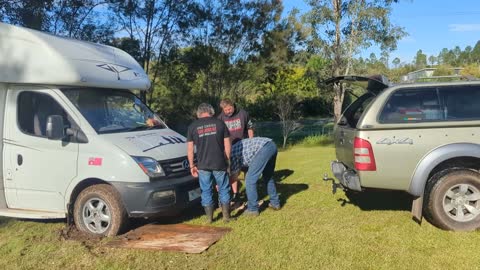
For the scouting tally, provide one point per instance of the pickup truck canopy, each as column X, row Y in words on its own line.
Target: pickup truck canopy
column 33, row 57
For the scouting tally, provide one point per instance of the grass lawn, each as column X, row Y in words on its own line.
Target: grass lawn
column 314, row 230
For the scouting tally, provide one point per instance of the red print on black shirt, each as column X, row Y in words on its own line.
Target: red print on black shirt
column 234, row 124
column 207, row 130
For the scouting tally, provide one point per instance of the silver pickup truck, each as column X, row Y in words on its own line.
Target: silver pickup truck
column 422, row 138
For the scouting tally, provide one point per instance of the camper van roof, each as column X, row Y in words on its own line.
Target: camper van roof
column 33, row 57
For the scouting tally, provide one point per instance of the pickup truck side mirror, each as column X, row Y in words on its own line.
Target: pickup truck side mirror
column 55, row 127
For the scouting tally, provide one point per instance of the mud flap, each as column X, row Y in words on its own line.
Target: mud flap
column 417, row 207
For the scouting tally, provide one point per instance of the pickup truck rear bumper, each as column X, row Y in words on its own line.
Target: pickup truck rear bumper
column 348, row 178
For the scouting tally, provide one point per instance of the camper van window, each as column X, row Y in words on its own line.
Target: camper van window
column 112, row 111
column 33, row 111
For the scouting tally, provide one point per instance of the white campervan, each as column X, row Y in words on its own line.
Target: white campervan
column 77, row 143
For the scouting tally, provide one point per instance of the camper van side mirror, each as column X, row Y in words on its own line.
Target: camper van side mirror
column 342, row 121
column 55, row 127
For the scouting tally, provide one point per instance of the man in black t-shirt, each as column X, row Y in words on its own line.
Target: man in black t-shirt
column 212, row 139
column 240, row 127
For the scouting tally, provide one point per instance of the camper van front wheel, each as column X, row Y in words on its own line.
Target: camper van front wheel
column 98, row 211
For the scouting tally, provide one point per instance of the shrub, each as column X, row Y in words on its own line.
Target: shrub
column 316, row 140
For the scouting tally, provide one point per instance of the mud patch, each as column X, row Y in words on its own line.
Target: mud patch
column 91, row 243
column 176, row 237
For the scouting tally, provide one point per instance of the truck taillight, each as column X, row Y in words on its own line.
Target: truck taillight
column 363, row 155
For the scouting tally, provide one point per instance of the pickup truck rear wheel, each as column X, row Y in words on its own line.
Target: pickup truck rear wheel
column 453, row 200
column 98, row 211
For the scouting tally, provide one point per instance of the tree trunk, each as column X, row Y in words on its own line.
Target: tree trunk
column 285, row 141
column 338, row 100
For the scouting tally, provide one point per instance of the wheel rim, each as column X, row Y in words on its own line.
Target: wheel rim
column 96, row 216
column 462, row 202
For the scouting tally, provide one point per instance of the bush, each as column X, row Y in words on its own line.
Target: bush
column 316, row 140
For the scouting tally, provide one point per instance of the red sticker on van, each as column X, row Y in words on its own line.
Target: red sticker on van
column 95, row 161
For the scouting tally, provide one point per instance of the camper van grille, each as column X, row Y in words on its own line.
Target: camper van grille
column 176, row 167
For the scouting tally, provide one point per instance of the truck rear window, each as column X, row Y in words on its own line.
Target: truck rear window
column 353, row 112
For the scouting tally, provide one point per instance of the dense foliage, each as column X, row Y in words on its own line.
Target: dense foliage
column 249, row 50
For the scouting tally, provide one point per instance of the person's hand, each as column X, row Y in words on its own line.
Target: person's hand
column 151, row 122
column 194, row 171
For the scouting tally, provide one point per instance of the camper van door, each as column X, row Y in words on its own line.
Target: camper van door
column 41, row 169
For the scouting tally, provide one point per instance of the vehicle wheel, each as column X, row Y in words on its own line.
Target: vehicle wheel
column 98, row 211
column 453, row 200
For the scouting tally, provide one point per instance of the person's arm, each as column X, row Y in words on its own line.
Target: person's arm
column 190, row 155
column 249, row 126
column 228, row 147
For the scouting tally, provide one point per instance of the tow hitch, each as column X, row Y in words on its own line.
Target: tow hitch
column 334, row 185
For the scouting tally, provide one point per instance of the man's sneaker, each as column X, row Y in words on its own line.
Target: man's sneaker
column 273, row 207
column 251, row 213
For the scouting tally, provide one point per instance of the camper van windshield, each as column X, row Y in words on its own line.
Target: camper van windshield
column 112, row 111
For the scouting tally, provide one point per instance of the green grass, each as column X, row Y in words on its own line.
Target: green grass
column 316, row 140
column 314, row 230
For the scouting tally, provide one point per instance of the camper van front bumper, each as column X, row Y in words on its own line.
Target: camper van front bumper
column 159, row 198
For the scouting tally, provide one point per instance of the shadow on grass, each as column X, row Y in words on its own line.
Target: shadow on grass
column 285, row 191
column 378, row 200
column 4, row 221
column 282, row 174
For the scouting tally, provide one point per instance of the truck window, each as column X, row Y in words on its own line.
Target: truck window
column 111, row 111
column 412, row 105
column 33, row 111
column 461, row 103
column 353, row 112
column 448, row 103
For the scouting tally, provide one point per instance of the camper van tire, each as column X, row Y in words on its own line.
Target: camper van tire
column 98, row 211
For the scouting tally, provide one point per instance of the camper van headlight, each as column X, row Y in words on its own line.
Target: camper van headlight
column 150, row 166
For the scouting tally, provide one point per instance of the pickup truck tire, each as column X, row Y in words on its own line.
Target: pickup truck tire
column 453, row 200
column 98, row 211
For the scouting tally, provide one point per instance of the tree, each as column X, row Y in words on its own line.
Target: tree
column 87, row 20
column 476, row 53
column 84, row 19
column 396, row 62
column 290, row 87
column 432, row 59
column 157, row 24
column 340, row 28
column 28, row 13
column 420, row 59
column 237, row 30
column 285, row 110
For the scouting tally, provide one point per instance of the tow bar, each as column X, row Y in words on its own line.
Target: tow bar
column 334, row 185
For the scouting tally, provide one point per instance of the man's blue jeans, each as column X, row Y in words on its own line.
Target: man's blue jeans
column 206, row 185
column 262, row 164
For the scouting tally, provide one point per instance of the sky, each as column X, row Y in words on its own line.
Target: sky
column 431, row 25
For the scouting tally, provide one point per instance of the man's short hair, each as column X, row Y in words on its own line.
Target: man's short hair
column 205, row 108
column 226, row 102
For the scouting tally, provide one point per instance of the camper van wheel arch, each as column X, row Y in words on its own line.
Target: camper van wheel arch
column 98, row 211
